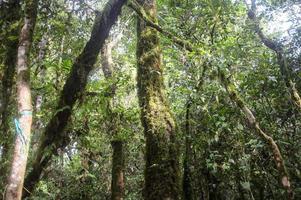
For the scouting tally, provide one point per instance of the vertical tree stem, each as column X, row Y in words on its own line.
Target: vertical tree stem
column 16, row 176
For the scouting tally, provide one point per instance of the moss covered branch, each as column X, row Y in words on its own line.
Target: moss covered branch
column 53, row 137
column 149, row 22
column 280, row 165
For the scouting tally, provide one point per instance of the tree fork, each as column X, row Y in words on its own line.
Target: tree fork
column 149, row 22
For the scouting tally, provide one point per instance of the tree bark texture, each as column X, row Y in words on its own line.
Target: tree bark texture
column 23, row 124
column 117, row 182
column 9, row 27
column 187, row 177
column 280, row 165
column 75, row 84
column 162, row 167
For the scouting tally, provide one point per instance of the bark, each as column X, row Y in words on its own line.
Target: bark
column 162, row 167
column 187, row 177
column 75, row 84
column 107, row 68
column 283, row 174
column 117, row 184
column 285, row 70
column 16, row 176
column 10, row 16
column 150, row 22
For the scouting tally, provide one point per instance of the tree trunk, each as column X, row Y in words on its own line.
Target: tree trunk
column 150, row 22
column 117, row 185
column 284, row 177
column 23, row 124
column 10, row 15
column 53, row 135
column 162, row 165
column 187, row 177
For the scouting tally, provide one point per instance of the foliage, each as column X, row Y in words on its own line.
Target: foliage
column 227, row 161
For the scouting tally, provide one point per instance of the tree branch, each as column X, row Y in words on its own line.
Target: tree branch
column 73, row 89
column 143, row 15
column 281, row 57
column 280, row 165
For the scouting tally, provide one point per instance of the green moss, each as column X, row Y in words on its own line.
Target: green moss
column 162, row 169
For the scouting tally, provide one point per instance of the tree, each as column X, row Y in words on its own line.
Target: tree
column 23, row 124
column 73, row 88
column 137, row 126
column 10, row 27
column 253, row 122
column 117, row 183
column 162, row 167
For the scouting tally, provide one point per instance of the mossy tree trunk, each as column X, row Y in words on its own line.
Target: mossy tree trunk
column 21, row 148
column 117, row 183
column 53, row 137
column 9, row 27
column 162, row 167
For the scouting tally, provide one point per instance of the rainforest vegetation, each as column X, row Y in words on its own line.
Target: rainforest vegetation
column 150, row 99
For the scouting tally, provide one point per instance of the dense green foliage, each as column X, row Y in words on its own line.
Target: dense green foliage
column 226, row 159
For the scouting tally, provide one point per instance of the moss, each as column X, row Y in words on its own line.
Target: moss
column 162, row 169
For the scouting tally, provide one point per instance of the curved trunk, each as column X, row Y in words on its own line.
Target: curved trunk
column 53, row 137
column 280, row 165
column 162, row 167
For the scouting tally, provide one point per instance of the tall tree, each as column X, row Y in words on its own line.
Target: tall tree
column 162, row 167
column 23, row 124
column 117, row 183
column 73, row 88
column 9, row 26
column 187, row 176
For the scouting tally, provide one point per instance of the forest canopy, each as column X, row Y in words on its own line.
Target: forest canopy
column 150, row 99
